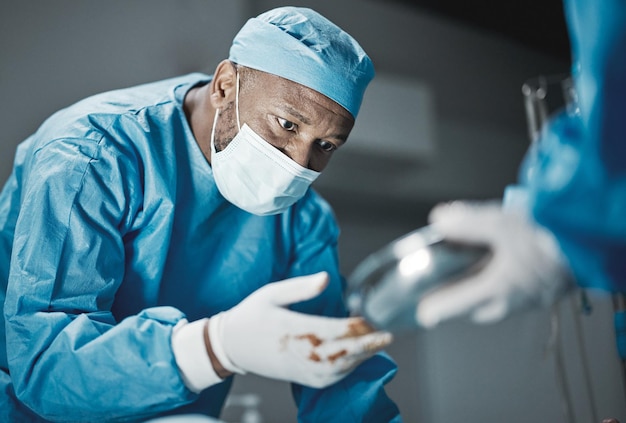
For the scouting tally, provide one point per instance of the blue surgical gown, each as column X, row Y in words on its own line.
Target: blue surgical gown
column 577, row 174
column 112, row 231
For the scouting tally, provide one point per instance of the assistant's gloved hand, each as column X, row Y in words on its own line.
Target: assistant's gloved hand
column 260, row 335
column 526, row 269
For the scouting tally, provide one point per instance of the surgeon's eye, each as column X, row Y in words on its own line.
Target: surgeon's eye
column 287, row 124
column 326, row 146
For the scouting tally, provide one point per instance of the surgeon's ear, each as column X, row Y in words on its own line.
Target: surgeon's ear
column 224, row 85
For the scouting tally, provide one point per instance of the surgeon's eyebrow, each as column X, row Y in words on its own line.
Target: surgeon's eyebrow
column 338, row 137
column 293, row 112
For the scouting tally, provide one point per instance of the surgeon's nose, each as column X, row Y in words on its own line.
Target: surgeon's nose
column 300, row 153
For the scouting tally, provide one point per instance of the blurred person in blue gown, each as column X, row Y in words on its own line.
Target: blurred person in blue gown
column 563, row 225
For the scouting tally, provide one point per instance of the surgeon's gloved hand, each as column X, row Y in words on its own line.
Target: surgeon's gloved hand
column 526, row 270
column 260, row 335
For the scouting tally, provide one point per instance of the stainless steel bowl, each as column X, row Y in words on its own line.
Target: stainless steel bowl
column 386, row 287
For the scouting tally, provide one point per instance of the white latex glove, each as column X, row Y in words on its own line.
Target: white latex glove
column 260, row 335
column 526, row 270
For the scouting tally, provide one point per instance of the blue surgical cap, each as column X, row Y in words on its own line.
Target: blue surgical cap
column 301, row 45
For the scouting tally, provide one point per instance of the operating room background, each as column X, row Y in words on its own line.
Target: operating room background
column 443, row 120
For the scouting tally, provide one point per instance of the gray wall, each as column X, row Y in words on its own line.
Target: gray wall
column 54, row 53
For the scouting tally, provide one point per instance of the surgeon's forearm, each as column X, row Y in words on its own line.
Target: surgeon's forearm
column 72, row 368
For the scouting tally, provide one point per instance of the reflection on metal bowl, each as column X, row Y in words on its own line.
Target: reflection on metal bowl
column 386, row 287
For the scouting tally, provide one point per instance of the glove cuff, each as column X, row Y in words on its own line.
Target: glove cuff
column 191, row 358
column 215, row 338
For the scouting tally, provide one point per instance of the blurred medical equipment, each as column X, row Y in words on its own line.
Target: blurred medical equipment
column 386, row 286
column 545, row 96
column 548, row 98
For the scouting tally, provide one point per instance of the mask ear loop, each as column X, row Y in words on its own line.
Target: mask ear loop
column 237, row 100
column 213, row 150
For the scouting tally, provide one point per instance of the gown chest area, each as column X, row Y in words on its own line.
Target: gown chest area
column 202, row 263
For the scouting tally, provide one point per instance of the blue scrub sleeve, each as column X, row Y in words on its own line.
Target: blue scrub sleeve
column 69, row 359
column 578, row 183
column 361, row 396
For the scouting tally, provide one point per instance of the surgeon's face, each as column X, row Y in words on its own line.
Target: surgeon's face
column 302, row 123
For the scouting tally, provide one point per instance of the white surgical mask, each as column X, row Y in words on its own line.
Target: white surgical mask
column 254, row 175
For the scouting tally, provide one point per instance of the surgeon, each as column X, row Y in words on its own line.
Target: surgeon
column 572, row 228
column 157, row 240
